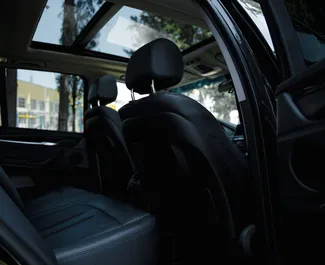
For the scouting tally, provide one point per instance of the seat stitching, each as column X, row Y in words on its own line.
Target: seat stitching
column 55, row 209
column 68, row 226
column 96, row 247
column 61, row 222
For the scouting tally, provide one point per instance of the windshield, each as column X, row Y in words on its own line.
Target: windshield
column 216, row 97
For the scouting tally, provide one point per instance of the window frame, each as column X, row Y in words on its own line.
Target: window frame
column 31, row 105
column 19, row 101
column 42, row 105
column 290, row 58
column 4, row 105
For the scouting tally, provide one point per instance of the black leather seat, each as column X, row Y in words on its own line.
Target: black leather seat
column 72, row 226
column 195, row 175
column 103, row 130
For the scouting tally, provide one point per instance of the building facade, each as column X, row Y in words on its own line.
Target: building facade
column 38, row 108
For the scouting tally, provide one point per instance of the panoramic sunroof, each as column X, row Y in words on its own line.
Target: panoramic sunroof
column 77, row 14
column 131, row 28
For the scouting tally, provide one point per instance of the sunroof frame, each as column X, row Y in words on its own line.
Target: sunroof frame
column 96, row 23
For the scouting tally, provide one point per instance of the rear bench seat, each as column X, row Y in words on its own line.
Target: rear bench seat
column 72, row 226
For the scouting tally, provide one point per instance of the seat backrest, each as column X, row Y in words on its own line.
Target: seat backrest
column 17, row 234
column 103, row 130
column 10, row 189
column 182, row 151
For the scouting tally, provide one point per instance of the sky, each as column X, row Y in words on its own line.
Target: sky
column 49, row 31
column 116, row 36
column 49, row 28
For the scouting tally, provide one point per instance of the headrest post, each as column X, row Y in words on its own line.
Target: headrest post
column 132, row 95
column 153, row 90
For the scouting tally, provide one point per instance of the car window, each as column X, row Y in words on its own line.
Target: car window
column 254, row 10
column 141, row 27
column 307, row 17
column 59, row 16
column 45, row 101
column 123, row 97
column 216, row 95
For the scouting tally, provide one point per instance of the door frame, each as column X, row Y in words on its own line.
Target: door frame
column 250, row 87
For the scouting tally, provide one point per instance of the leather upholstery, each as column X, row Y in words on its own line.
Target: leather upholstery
column 159, row 61
column 104, row 91
column 71, row 226
column 186, row 159
column 19, row 236
column 6, row 184
column 193, row 145
column 103, row 130
column 86, row 228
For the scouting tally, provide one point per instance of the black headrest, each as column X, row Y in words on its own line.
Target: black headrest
column 103, row 90
column 160, row 61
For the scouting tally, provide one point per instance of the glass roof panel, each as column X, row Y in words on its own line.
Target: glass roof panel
column 63, row 20
column 132, row 28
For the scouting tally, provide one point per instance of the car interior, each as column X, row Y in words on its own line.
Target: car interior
column 161, row 180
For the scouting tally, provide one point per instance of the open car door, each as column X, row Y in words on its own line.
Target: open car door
column 298, row 189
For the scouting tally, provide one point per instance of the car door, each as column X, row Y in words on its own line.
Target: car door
column 298, row 188
column 35, row 151
column 290, row 60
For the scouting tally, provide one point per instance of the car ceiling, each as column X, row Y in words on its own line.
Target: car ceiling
column 19, row 22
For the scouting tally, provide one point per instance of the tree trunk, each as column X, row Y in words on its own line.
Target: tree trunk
column 12, row 97
column 64, row 103
column 68, row 35
column 74, row 98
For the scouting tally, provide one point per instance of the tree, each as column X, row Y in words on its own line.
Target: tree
column 206, row 92
column 76, row 14
column 184, row 36
column 252, row 6
column 11, row 84
column 149, row 27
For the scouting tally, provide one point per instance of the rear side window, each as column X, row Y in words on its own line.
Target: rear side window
column 45, row 101
column 308, row 18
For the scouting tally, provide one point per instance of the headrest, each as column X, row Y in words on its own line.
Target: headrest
column 103, row 90
column 160, row 61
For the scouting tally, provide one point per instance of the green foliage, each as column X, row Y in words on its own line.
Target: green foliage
column 76, row 14
column 183, row 35
column 253, row 6
column 207, row 94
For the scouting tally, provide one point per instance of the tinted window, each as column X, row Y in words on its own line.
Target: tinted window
column 34, row 101
column 254, row 10
column 63, row 20
column 217, row 96
column 308, row 18
column 131, row 28
column 123, row 97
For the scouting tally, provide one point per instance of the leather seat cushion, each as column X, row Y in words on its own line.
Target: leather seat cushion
column 86, row 228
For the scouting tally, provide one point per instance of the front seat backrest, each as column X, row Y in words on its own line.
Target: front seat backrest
column 105, row 137
column 182, row 151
